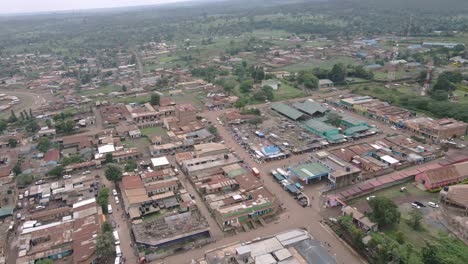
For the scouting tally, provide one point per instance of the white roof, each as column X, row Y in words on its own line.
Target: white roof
column 265, row 259
column 84, row 202
column 158, row 162
column 389, row 159
column 106, row 149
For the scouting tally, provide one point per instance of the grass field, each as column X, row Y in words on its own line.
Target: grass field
column 286, row 92
column 328, row 64
column 152, row 131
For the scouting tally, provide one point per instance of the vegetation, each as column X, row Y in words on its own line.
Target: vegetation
column 103, row 199
column 43, row 145
column 113, row 172
column 105, row 247
column 130, row 166
column 12, row 143
column 384, row 212
column 155, row 98
column 71, row 160
column 56, row 171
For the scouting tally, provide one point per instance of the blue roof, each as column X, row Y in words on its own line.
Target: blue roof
column 271, row 150
column 278, row 176
column 292, row 188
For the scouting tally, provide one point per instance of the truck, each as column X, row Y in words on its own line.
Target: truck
column 256, row 172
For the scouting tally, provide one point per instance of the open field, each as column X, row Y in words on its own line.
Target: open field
column 328, row 64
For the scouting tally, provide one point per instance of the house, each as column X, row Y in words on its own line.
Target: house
column 359, row 219
column 443, row 176
column 46, row 132
column 274, row 84
column 324, row 83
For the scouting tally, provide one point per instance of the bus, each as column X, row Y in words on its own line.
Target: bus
column 282, row 172
column 116, row 238
column 256, row 172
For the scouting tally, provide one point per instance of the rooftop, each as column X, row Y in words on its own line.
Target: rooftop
column 310, row 107
column 287, row 111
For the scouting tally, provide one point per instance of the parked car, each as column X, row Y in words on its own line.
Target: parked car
column 114, row 192
column 116, row 199
column 415, row 206
column 419, row 204
column 67, row 176
column 39, row 182
column 433, row 205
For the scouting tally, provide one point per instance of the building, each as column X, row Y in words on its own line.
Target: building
column 287, row 111
column 185, row 113
column 311, row 108
column 324, row 83
column 233, row 216
column 208, row 165
column 309, row 171
column 456, row 195
column 209, row 149
column 289, row 247
column 160, row 163
column 443, row 176
column 341, row 173
column 274, row 84
column 360, row 219
column 171, row 230
column 319, row 128
column 437, row 129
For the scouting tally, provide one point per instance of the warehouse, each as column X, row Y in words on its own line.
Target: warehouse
column 311, row 108
column 287, row 111
column 309, row 171
column 332, row 134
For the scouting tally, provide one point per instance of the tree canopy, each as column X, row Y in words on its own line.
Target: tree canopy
column 384, row 212
column 113, row 172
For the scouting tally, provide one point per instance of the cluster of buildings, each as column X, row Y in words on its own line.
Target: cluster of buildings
column 292, row 246
column 435, row 129
column 234, row 195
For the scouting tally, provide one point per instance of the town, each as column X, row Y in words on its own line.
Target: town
column 258, row 147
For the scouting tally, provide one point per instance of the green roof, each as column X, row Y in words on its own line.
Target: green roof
column 353, row 120
column 319, row 126
column 356, row 129
column 234, row 173
column 310, row 170
column 335, row 137
column 310, row 107
column 287, row 111
column 5, row 212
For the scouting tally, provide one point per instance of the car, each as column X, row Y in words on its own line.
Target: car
column 415, row 206
column 86, row 172
column 40, row 207
column 419, row 204
column 114, row 192
column 303, row 202
column 39, row 182
column 67, row 176
column 370, row 197
column 433, row 205
column 116, row 200
column 20, row 197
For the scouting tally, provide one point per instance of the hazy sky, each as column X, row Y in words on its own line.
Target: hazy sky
column 27, row 6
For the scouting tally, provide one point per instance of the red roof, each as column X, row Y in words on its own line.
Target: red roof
column 52, row 155
column 132, row 182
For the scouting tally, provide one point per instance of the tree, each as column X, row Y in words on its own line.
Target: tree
column 45, row 261
column 56, row 171
column 155, row 99
column 3, row 125
column 12, row 143
column 240, row 104
column 124, row 88
column 338, row 73
column 415, row 220
column 43, row 145
column 24, row 179
column 113, row 172
column 429, row 254
column 268, row 92
column 109, row 158
column 229, row 86
column 308, row 79
column 130, row 166
column 12, row 118
column 71, row 160
column 32, row 126
column 103, row 199
column 384, row 212
column 106, row 227
column 246, row 86
column 334, row 119
column 104, row 247
column 17, row 168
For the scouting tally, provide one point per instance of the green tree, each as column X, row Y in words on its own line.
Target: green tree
column 429, row 254
column 43, row 145
column 32, row 126
column 12, row 118
column 56, row 171
column 103, row 199
column 17, row 168
column 106, row 227
column 415, row 220
column 24, row 179
column 384, row 212
column 241, row 103
column 71, row 160
column 308, row 79
column 246, row 86
column 109, row 158
column 45, row 261
column 3, row 125
column 104, row 247
column 155, row 99
column 113, row 172
column 131, row 165
column 338, row 73
column 229, row 86
column 12, row 143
